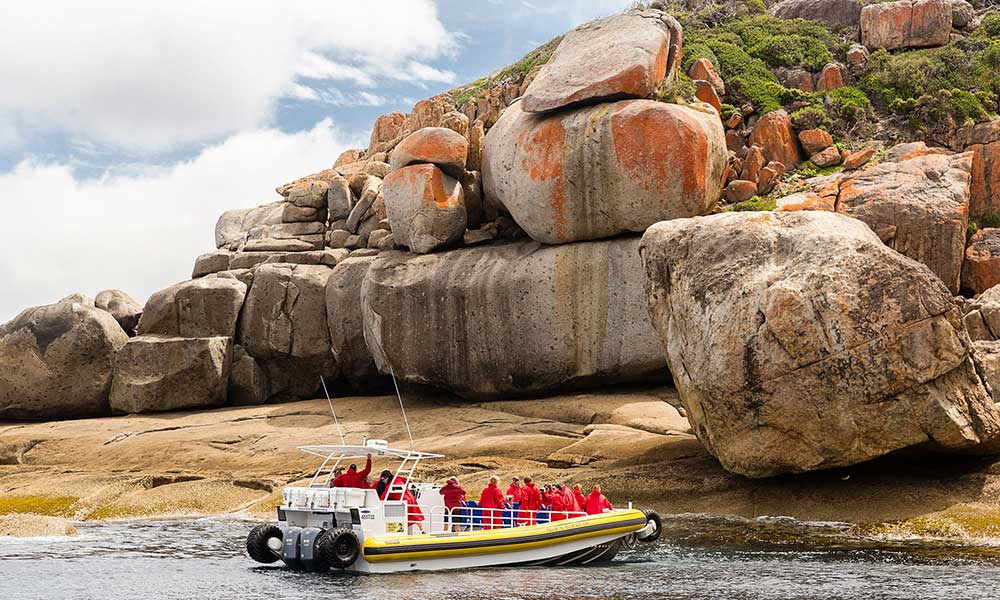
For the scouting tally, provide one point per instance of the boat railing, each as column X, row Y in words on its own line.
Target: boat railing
column 475, row 518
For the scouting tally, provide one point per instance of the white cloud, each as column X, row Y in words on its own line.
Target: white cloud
column 317, row 66
column 159, row 75
column 142, row 230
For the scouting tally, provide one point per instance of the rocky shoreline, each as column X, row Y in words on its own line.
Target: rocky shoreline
column 234, row 462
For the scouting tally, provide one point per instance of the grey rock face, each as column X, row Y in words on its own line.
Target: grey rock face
column 57, row 361
column 798, row 341
column 512, row 319
column 211, row 262
column 283, row 326
column 122, row 307
column 157, row 373
column 346, row 322
column 247, row 380
column 205, row 307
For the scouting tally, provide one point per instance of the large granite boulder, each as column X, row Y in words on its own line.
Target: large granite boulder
column 435, row 145
column 598, row 171
column 917, row 206
column 622, row 56
column 155, row 373
column 122, row 307
column 835, row 13
column 346, row 321
column 906, row 24
column 426, row 208
column 798, row 341
column 283, row 326
column 512, row 319
column 57, row 361
column 205, row 307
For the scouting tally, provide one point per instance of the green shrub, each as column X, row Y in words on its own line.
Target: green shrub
column 694, row 51
column 757, row 203
column 847, row 104
column 792, row 51
column 747, row 78
column 939, row 88
column 811, row 117
column 680, row 90
column 990, row 27
column 989, row 220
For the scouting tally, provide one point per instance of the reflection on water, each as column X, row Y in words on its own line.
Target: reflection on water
column 699, row 558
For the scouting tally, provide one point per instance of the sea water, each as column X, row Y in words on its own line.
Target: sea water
column 698, row 557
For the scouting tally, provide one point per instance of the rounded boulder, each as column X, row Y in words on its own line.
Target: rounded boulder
column 603, row 170
column 426, row 208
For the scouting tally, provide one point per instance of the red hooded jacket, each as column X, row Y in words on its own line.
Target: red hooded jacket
column 596, row 503
column 516, row 493
column 353, row 478
column 558, row 504
column 570, row 501
column 491, row 497
column 581, row 500
column 531, row 498
column 453, row 494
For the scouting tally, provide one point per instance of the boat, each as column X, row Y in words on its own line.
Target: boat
column 320, row 527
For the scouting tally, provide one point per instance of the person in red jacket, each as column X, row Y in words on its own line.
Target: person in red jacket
column 453, row 494
column 581, row 500
column 531, row 502
column 596, row 502
column 353, row 478
column 514, row 490
column 572, row 506
column 491, row 499
column 558, row 504
column 414, row 516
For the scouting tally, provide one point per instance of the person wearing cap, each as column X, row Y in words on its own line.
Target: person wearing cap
column 453, row 494
column 514, row 490
column 354, row 478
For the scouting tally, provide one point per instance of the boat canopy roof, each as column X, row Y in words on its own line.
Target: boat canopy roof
column 356, row 451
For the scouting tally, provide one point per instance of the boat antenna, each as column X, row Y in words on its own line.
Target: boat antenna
column 403, row 410
column 333, row 412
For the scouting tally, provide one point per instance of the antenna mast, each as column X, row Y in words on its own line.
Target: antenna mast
column 334, row 413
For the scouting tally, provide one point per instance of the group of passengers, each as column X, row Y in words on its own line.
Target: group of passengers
column 525, row 504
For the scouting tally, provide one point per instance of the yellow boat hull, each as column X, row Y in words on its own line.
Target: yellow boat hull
column 569, row 534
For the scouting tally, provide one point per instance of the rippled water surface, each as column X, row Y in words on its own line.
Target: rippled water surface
column 698, row 558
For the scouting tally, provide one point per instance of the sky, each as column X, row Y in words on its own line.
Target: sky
column 127, row 128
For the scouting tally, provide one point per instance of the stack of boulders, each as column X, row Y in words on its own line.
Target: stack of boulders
column 584, row 155
column 761, row 155
column 419, row 242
